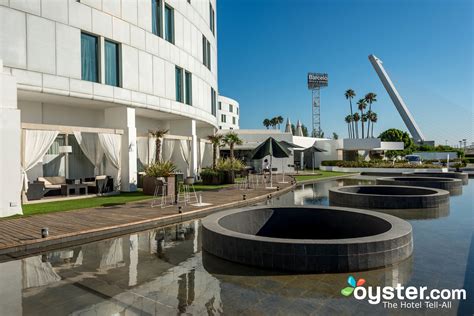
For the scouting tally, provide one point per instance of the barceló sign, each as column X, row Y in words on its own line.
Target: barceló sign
column 317, row 80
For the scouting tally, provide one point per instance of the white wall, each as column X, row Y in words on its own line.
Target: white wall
column 225, row 103
column 40, row 46
column 10, row 140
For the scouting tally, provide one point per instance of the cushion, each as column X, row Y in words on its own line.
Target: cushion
column 100, row 177
column 57, row 180
column 46, row 181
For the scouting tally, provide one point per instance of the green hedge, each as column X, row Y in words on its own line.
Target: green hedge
column 374, row 164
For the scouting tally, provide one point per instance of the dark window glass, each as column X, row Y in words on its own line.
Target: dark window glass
column 189, row 88
column 179, row 84
column 89, row 57
column 169, row 24
column 112, row 67
column 157, row 17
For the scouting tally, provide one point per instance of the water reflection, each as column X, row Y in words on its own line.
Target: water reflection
column 164, row 272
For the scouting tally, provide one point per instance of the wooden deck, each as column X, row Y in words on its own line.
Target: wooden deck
column 23, row 235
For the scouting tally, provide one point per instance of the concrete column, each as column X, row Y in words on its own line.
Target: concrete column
column 124, row 118
column 194, row 150
column 10, row 147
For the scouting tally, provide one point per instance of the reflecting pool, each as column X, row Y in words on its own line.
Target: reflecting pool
column 163, row 272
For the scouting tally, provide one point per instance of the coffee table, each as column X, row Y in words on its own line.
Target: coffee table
column 76, row 189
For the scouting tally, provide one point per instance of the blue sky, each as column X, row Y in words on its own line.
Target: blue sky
column 267, row 47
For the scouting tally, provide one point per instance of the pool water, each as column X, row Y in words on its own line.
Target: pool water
column 164, row 272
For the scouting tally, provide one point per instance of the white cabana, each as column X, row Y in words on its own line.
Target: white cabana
column 112, row 145
column 92, row 149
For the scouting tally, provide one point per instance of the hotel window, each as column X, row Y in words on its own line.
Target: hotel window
column 206, row 52
column 213, row 102
column 179, row 84
column 220, row 105
column 237, row 111
column 112, row 67
column 89, row 57
column 157, row 17
column 169, row 24
column 231, row 108
column 223, row 118
column 233, row 120
column 212, row 18
column 188, row 82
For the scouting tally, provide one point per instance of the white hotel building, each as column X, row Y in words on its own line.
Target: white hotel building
column 228, row 113
column 108, row 72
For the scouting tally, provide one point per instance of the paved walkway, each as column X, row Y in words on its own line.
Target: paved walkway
column 21, row 235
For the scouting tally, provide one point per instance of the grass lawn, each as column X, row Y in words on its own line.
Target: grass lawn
column 100, row 201
column 67, row 205
column 319, row 174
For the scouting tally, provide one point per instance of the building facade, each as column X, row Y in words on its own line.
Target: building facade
column 228, row 113
column 107, row 67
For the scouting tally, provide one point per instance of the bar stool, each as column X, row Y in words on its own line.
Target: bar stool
column 186, row 191
column 164, row 194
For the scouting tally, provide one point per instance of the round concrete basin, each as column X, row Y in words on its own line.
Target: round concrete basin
column 454, row 186
column 452, row 175
column 388, row 197
column 307, row 238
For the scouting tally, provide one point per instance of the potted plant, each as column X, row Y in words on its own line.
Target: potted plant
column 228, row 167
column 164, row 169
column 211, row 176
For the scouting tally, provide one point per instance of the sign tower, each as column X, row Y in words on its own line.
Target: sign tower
column 316, row 81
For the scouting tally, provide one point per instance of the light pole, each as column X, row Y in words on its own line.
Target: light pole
column 464, row 141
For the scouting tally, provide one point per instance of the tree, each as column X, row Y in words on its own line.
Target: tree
column 356, row 118
column 373, row 119
column 304, row 129
column 280, row 120
column 396, row 135
column 266, row 123
column 364, row 118
column 158, row 134
column 370, row 98
column 231, row 139
column 334, row 135
column 274, row 122
column 361, row 105
column 216, row 141
column 350, row 94
column 349, row 120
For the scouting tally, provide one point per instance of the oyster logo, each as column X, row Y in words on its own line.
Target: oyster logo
column 352, row 285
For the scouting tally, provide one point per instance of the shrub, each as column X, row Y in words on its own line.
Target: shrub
column 374, row 164
column 209, row 172
column 160, row 169
column 229, row 164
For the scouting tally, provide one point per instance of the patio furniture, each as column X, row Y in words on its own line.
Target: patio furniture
column 99, row 184
column 36, row 191
column 186, row 191
column 166, row 199
column 52, row 185
column 66, row 189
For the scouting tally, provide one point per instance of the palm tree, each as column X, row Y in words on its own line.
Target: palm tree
column 158, row 134
column 231, row 139
column 373, row 119
column 364, row 118
column 274, row 122
column 356, row 119
column 279, row 120
column 349, row 121
column 370, row 98
column 267, row 123
column 350, row 94
column 216, row 141
column 361, row 105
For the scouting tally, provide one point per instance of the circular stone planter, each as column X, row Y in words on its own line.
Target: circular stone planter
column 307, row 238
column 388, row 197
column 452, row 175
column 454, row 186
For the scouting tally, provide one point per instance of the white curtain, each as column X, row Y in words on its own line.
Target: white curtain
column 152, row 149
column 35, row 146
column 143, row 150
column 90, row 146
column 112, row 143
column 185, row 150
column 111, row 254
column 167, row 148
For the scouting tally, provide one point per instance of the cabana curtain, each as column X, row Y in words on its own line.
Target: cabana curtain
column 112, row 143
column 36, row 144
column 167, row 148
column 90, row 146
column 185, row 150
